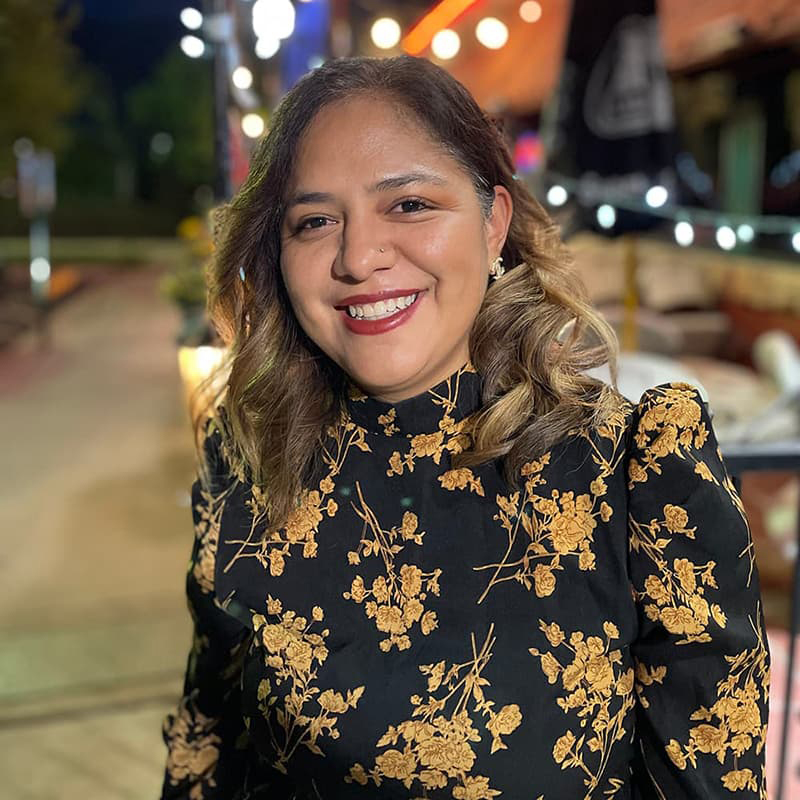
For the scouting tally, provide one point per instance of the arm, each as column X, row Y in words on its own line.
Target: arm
column 701, row 658
column 206, row 735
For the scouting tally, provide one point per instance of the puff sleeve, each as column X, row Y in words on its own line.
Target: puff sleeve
column 701, row 657
column 205, row 736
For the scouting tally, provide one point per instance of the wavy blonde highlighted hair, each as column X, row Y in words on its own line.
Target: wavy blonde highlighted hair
column 283, row 392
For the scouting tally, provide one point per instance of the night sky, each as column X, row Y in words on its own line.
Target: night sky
column 125, row 39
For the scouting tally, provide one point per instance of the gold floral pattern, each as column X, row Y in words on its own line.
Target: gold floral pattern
column 434, row 748
column 598, row 689
column 452, row 436
column 387, row 422
column 193, row 748
column 271, row 549
column 294, row 654
column 208, row 515
column 395, row 601
column 672, row 425
column 557, row 526
column 735, row 724
column 675, row 594
column 638, row 578
column 461, row 478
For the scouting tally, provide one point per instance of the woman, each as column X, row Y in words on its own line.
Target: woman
column 432, row 557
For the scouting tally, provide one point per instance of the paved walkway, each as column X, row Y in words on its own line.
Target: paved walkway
column 96, row 530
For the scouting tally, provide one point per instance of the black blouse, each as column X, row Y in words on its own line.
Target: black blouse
column 418, row 631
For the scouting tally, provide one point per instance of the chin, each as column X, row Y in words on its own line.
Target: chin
column 385, row 375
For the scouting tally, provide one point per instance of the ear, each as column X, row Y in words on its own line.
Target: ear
column 499, row 220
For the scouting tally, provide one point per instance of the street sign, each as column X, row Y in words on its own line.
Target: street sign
column 36, row 182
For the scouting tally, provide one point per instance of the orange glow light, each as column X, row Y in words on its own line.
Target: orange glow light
column 440, row 16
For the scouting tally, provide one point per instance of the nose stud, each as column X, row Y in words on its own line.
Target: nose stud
column 381, row 250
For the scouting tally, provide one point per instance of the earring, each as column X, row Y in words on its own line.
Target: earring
column 497, row 270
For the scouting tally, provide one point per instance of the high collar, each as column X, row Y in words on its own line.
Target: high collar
column 455, row 398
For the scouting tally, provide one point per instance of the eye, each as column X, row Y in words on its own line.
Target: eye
column 412, row 204
column 311, row 223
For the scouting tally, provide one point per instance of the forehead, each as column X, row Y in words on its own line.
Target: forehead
column 367, row 134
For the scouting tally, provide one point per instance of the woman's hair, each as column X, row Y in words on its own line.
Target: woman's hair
column 283, row 392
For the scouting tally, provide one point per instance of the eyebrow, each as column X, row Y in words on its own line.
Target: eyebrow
column 392, row 182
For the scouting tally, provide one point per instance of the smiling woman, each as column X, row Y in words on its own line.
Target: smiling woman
column 433, row 557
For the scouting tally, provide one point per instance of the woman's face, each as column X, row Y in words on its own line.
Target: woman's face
column 377, row 213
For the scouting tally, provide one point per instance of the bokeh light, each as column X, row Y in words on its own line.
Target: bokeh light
column 253, row 125
column 193, row 46
column 530, row 11
column 242, row 78
column 491, row 33
column 385, row 33
column 446, row 44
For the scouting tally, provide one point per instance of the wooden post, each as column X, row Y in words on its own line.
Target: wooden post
column 630, row 325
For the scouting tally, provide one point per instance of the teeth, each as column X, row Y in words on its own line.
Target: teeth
column 382, row 308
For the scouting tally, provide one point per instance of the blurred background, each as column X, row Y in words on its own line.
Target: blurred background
column 663, row 136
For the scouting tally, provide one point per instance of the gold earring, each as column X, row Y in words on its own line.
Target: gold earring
column 497, row 270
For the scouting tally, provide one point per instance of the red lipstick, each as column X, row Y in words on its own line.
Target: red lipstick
column 371, row 327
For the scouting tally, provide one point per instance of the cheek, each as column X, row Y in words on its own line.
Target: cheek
column 455, row 257
column 306, row 290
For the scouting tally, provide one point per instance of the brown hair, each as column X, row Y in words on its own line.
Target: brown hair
column 283, row 392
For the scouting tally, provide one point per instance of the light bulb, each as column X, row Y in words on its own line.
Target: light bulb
column 253, row 125
column 191, row 19
column 242, row 78
column 726, row 237
column 445, row 44
column 684, row 233
column 557, row 195
column 193, row 46
column 606, row 216
column 385, row 33
column 530, row 11
column 491, row 33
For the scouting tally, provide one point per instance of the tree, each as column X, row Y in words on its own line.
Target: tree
column 176, row 101
column 41, row 78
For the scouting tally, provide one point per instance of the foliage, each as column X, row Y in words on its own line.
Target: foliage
column 41, row 79
column 177, row 100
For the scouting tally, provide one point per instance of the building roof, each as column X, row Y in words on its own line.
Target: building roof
column 521, row 75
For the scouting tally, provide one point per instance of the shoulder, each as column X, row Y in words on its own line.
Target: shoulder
column 670, row 418
column 672, row 440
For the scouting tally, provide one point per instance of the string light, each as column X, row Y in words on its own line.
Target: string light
column 530, row 11
column 656, row 196
column 191, row 19
column 193, row 46
column 446, row 44
column 253, row 125
column 728, row 229
column 684, row 233
column 385, row 33
column 745, row 233
column 273, row 18
column 606, row 216
column 491, row 33
column 242, row 78
column 726, row 237
column 557, row 195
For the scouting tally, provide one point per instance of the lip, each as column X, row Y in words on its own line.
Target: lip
column 362, row 299
column 372, row 327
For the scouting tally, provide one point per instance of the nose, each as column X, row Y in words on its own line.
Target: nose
column 363, row 250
